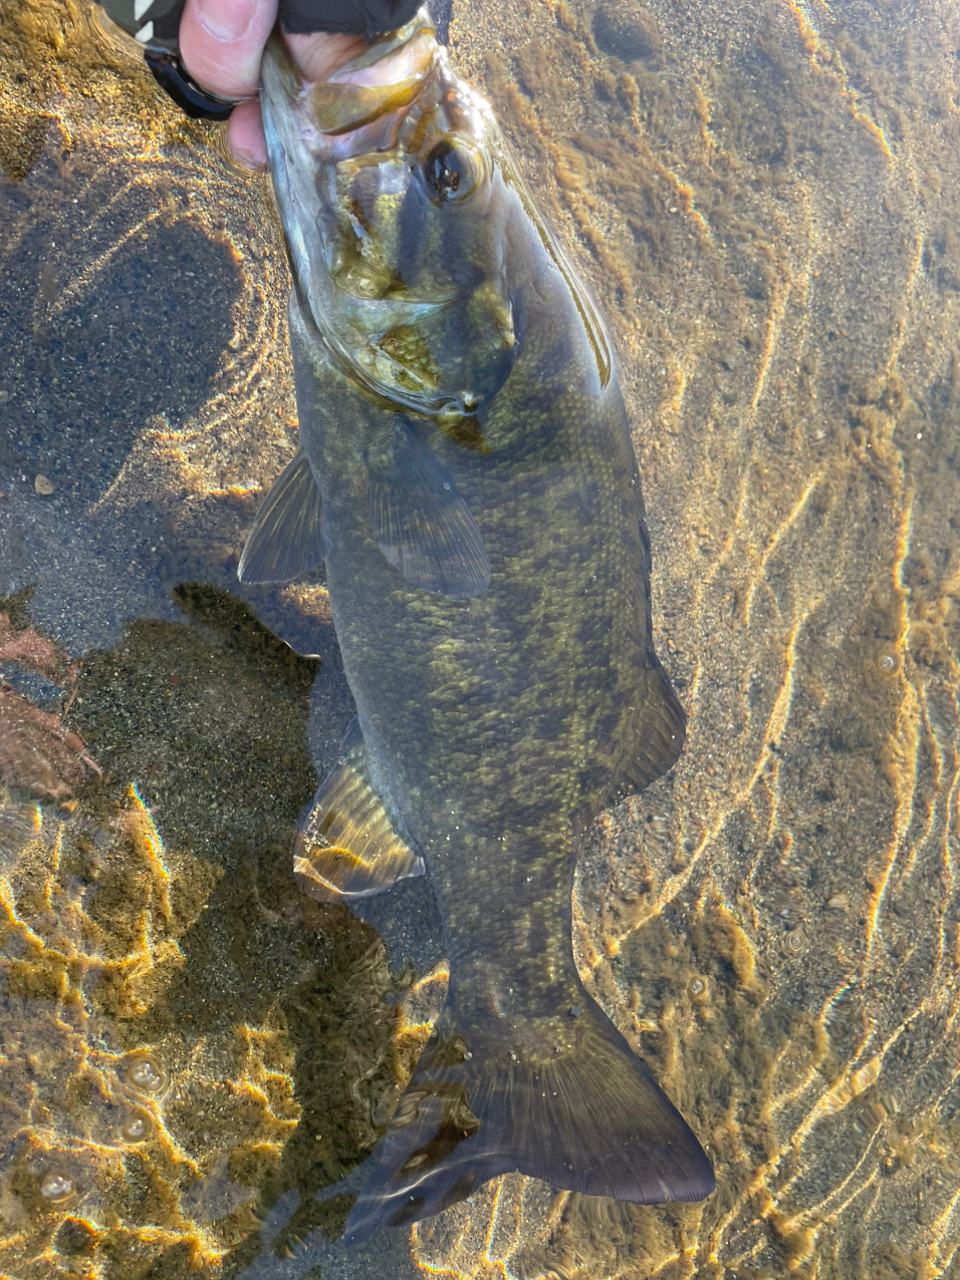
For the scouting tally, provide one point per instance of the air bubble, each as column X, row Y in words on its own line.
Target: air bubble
column 888, row 660
column 146, row 1074
column 56, row 1186
column 794, row 942
column 136, row 1128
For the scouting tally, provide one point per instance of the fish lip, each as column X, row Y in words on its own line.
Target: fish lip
column 382, row 81
column 386, row 77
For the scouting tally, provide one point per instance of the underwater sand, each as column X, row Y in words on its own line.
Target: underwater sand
column 764, row 199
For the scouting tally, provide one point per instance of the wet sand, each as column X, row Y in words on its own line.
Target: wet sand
column 764, row 201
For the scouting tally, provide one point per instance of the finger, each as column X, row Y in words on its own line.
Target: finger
column 245, row 135
column 221, row 42
column 316, row 56
column 320, row 54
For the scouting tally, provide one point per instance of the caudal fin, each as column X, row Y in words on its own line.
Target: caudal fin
column 560, row 1098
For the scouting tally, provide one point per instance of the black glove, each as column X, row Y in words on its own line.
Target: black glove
column 356, row 17
column 157, row 28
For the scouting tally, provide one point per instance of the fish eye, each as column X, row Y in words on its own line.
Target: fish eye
column 450, row 171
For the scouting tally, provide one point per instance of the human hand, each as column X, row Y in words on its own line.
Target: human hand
column 221, row 43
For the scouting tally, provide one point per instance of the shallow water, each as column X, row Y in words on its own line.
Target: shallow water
column 764, row 200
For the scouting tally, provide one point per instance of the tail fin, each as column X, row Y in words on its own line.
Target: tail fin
column 560, row 1098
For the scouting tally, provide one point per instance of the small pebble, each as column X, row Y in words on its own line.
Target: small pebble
column 838, row 902
column 43, row 486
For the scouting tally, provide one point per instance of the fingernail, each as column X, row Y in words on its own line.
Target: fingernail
column 226, row 20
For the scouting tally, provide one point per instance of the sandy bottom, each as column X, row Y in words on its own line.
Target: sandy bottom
column 764, row 199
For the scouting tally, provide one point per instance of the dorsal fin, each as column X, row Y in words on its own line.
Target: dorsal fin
column 661, row 728
column 286, row 539
column 348, row 847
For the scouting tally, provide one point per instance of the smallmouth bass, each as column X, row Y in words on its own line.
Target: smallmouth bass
column 466, row 475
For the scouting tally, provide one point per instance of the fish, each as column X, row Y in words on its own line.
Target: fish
column 466, row 477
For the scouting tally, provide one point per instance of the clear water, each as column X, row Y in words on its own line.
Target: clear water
column 764, row 200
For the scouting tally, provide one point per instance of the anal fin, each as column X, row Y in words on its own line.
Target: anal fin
column 348, row 846
column 285, row 540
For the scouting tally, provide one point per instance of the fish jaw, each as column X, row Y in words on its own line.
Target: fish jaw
column 303, row 163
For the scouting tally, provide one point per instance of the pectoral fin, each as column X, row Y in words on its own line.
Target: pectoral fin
column 421, row 522
column 285, row 540
column 348, row 847
column 659, row 726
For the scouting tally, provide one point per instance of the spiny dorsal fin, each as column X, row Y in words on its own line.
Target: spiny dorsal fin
column 348, row 846
column 421, row 522
column 285, row 540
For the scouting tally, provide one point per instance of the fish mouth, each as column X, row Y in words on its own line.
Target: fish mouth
column 355, row 115
column 355, row 112
column 395, row 290
column 358, row 107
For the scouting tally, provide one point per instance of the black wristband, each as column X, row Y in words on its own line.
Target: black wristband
column 171, row 75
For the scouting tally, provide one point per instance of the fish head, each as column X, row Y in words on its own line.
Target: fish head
column 396, row 210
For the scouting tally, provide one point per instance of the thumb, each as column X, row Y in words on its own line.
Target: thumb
column 221, row 42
